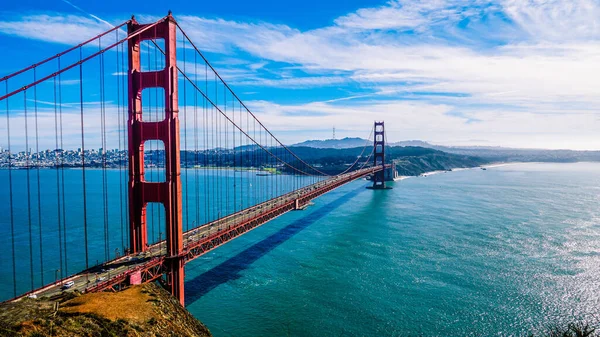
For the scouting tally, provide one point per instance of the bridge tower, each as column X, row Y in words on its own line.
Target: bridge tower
column 168, row 192
column 379, row 155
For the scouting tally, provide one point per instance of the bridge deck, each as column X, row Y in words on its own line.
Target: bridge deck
column 150, row 265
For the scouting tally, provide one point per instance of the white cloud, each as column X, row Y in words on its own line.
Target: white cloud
column 556, row 20
column 58, row 28
column 292, row 82
column 432, row 122
column 520, row 68
column 218, row 35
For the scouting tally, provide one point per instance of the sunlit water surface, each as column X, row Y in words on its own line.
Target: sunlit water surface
column 498, row 252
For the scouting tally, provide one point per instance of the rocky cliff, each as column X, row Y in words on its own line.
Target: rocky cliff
column 145, row 310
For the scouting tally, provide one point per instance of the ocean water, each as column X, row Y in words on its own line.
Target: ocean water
column 48, row 232
column 500, row 252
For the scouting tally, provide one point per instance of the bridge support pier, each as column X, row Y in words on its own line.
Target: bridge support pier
column 379, row 177
column 141, row 192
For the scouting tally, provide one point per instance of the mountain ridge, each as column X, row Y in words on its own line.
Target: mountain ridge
column 489, row 153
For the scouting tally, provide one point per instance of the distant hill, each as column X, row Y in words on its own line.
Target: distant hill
column 488, row 153
column 504, row 154
column 413, row 143
column 350, row 142
column 344, row 143
column 410, row 160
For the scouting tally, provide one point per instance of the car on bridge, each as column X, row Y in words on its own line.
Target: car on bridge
column 67, row 285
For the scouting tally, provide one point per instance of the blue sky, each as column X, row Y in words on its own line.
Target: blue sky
column 521, row 73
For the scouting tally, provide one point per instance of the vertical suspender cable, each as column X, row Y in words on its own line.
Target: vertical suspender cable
column 62, row 172
column 225, row 156
column 205, row 141
column 234, row 159
column 215, row 147
column 27, row 154
column 57, row 163
column 122, row 157
column 241, row 161
column 119, row 112
column 226, row 173
column 254, row 149
column 151, row 151
column 273, row 183
column 39, row 198
column 10, row 197
column 185, row 150
column 196, row 158
column 158, row 99
column 85, row 229
column 103, row 154
column 196, row 149
column 218, row 151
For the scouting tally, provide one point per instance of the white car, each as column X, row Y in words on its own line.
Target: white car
column 67, row 285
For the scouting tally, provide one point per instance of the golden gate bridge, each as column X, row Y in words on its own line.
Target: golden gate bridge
column 126, row 88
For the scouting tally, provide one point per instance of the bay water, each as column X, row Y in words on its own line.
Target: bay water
column 501, row 252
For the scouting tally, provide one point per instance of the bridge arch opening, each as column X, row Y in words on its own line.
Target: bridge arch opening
column 153, row 104
column 154, row 161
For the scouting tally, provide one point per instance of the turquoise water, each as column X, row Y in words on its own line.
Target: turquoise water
column 207, row 195
column 499, row 252
column 485, row 253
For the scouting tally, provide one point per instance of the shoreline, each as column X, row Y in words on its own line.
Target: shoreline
column 486, row 166
column 238, row 169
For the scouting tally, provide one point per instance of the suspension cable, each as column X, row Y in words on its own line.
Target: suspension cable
column 239, row 100
column 35, row 65
column 82, row 60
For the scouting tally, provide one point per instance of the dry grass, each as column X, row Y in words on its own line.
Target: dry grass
column 145, row 310
column 114, row 306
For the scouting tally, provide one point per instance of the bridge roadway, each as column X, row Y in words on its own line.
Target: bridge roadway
column 149, row 265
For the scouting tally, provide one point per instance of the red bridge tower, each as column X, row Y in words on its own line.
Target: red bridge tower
column 379, row 155
column 168, row 192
